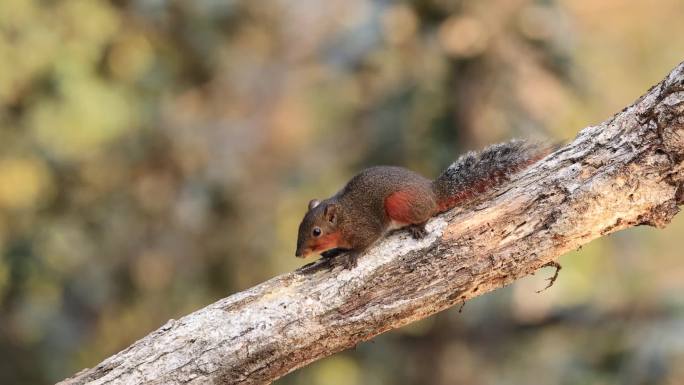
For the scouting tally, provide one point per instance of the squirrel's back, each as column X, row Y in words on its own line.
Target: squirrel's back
column 381, row 189
column 373, row 189
column 383, row 180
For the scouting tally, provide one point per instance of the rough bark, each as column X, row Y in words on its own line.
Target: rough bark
column 625, row 172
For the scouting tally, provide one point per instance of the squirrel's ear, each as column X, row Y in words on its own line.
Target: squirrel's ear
column 331, row 212
column 313, row 203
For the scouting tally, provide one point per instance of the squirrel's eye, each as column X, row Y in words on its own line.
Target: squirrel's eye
column 316, row 231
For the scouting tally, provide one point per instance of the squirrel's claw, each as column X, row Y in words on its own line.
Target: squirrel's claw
column 417, row 231
column 338, row 257
column 350, row 260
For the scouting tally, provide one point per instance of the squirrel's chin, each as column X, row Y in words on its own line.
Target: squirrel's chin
column 305, row 254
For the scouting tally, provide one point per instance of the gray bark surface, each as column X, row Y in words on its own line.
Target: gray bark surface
column 624, row 172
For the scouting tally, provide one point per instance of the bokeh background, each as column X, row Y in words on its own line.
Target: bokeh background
column 157, row 155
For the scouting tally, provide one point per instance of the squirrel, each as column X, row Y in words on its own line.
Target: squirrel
column 385, row 198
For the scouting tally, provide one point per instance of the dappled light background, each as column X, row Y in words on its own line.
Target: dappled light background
column 156, row 156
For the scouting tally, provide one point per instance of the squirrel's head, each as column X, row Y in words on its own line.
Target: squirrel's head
column 318, row 231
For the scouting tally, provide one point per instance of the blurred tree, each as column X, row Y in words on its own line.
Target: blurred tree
column 156, row 155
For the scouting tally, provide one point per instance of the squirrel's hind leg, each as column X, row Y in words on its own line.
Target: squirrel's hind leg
column 411, row 207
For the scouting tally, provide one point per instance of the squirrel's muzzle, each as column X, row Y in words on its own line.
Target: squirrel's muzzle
column 302, row 252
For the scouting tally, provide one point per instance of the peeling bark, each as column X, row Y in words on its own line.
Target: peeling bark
column 625, row 172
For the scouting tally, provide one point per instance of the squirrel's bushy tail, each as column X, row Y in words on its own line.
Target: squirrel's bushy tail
column 477, row 172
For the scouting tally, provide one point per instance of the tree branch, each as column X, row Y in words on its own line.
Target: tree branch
column 625, row 172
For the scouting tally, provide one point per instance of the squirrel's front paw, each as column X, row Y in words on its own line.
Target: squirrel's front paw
column 350, row 260
column 332, row 253
column 417, row 231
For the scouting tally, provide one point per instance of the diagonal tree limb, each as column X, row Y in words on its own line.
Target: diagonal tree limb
column 625, row 172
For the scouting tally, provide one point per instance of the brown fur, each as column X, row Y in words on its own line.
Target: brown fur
column 380, row 198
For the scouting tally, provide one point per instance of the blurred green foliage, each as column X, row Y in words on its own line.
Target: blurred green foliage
column 157, row 155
